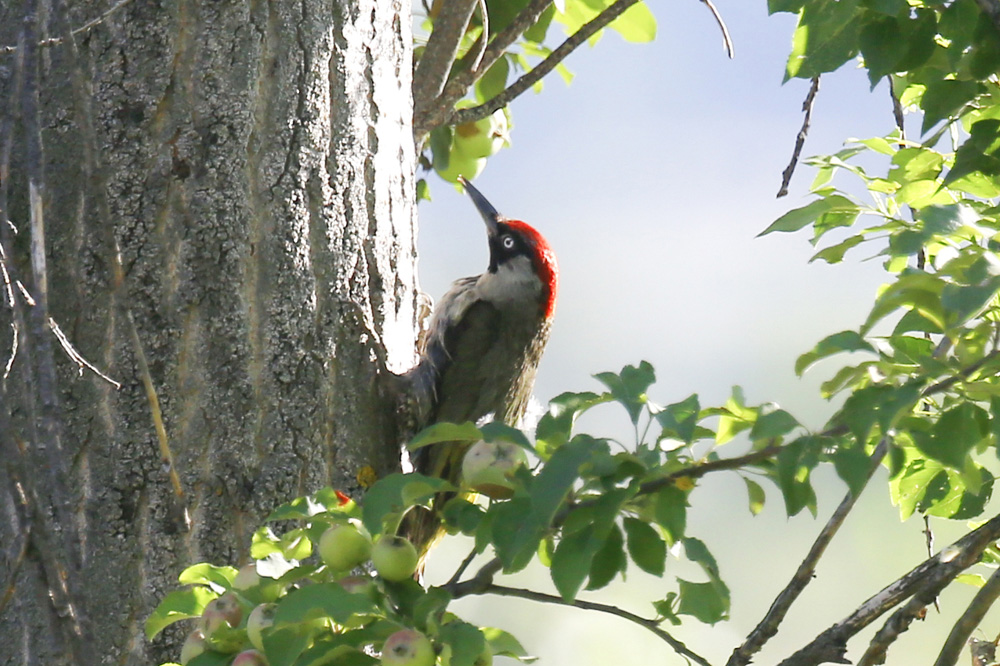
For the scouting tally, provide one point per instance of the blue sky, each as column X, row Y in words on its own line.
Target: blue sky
column 651, row 175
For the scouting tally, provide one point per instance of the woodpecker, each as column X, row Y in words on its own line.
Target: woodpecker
column 486, row 337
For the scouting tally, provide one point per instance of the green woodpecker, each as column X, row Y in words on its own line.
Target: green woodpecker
column 482, row 348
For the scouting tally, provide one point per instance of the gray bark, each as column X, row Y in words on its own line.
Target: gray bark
column 252, row 162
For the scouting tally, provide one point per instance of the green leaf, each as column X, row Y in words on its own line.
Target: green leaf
column 556, row 425
column 465, row 640
column 798, row 218
column 609, row 560
column 178, row 605
column 734, row 417
column 755, row 495
column 571, row 562
column 773, row 424
column 392, row 495
column 794, row 466
column 708, row 602
column 636, row 24
column 853, row 466
column 957, row 431
column 825, row 38
column 204, row 573
column 629, row 386
column 845, row 341
column 909, row 487
column 944, row 98
column 964, row 302
column 445, row 432
column 679, row 419
column 504, row 644
column 321, row 600
column 670, row 511
column 645, row 546
column 835, row 253
column 558, row 475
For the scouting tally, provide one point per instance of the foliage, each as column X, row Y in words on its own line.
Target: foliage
column 918, row 382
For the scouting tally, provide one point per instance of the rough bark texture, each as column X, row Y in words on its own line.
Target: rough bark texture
column 253, row 161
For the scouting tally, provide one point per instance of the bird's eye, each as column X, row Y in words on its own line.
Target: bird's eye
column 508, row 242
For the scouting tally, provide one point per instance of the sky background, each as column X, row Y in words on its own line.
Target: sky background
column 651, row 176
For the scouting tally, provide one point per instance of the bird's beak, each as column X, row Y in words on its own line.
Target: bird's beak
column 485, row 208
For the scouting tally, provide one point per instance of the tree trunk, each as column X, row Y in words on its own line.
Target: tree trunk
column 227, row 193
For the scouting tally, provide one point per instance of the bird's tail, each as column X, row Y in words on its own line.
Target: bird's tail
column 424, row 525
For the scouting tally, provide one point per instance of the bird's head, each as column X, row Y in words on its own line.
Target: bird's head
column 513, row 242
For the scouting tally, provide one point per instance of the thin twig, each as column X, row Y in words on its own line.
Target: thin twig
column 896, row 625
column 462, row 568
column 970, row 620
column 927, row 579
column 726, row 39
column 768, row 626
column 53, row 41
column 439, row 54
column 651, row 625
column 76, row 356
column 438, row 112
column 800, row 139
column 479, row 47
column 529, row 79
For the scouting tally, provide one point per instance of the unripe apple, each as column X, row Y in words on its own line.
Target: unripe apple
column 344, row 547
column 250, row 658
column 247, row 577
column 483, row 137
column 260, row 619
column 254, row 586
column 461, row 165
column 394, row 557
column 487, row 467
column 407, row 647
column 193, row 645
column 224, row 610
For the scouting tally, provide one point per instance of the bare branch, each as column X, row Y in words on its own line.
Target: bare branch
column 76, row 356
column 898, row 622
column 52, row 41
column 970, row 620
column 440, row 110
column 649, row 624
column 439, row 54
column 529, row 79
column 926, row 580
column 800, row 139
column 726, row 39
column 768, row 626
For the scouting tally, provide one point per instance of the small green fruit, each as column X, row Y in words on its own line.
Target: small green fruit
column 394, row 557
column 193, row 645
column 407, row 647
column 487, row 468
column 223, row 611
column 261, row 618
column 344, row 547
column 483, row 137
column 461, row 165
column 250, row 658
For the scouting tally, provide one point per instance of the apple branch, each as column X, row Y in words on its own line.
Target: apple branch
column 726, row 39
column 925, row 581
column 970, row 620
column 768, row 626
column 468, row 71
column 440, row 53
column 536, row 74
column 650, row 624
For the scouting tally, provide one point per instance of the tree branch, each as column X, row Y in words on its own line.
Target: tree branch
column 768, row 626
column 970, row 620
column 726, row 39
column 927, row 579
column 468, row 72
column 536, row 74
column 651, row 625
column 439, row 54
column 800, row 139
